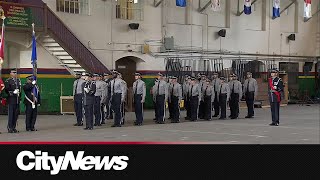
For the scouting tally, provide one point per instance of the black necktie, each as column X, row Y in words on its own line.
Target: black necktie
column 136, row 92
column 248, row 85
column 158, row 88
column 205, row 91
column 114, row 83
column 233, row 88
column 214, row 85
column 75, row 89
column 172, row 90
column 220, row 88
column 191, row 90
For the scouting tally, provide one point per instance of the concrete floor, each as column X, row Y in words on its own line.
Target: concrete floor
column 298, row 125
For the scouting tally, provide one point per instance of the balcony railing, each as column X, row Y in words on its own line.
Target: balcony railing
column 45, row 20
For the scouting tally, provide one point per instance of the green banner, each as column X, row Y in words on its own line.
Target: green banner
column 17, row 16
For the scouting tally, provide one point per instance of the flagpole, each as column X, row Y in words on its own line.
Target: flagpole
column 2, row 41
column 34, row 65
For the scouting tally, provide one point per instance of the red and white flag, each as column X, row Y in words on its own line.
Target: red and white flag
column 216, row 5
column 307, row 9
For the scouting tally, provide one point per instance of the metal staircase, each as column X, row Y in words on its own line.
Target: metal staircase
column 63, row 57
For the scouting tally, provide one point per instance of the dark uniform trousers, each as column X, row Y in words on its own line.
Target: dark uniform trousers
column 78, row 107
column 13, row 113
column 201, row 110
column 234, row 105
column 250, row 103
column 123, row 112
column 216, row 105
column 194, row 108
column 138, row 107
column 97, row 110
column 88, row 109
column 223, row 105
column 109, row 113
column 116, row 107
column 170, row 107
column 31, row 116
column 275, row 107
column 207, row 107
column 187, row 106
column 175, row 109
column 155, row 109
column 160, row 103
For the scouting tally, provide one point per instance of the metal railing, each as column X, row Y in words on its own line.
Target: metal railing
column 46, row 20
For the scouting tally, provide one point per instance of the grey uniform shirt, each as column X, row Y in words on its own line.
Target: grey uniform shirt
column 162, row 90
column 236, row 87
column 208, row 91
column 224, row 89
column 215, row 84
column 77, row 86
column 252, row 84
column 185, row 88
column 140, row 89
column 118, row 86
column 176, row 90
column 99, row 88
column 195, row 90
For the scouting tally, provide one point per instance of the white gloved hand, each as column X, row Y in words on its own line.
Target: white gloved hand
column 38, row 105
column 34, row 82
column 86, row 90
column 16, row 91
column 275, row 87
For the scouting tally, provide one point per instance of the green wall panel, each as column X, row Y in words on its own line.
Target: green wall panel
column 307, row 84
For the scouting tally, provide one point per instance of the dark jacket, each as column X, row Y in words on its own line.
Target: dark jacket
column 10, row 86
column 279, row 87
column 28, row 93
column 88, row 98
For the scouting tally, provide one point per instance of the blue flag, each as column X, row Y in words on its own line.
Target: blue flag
column 181, row 3
column 34, row 63
column 276, row 8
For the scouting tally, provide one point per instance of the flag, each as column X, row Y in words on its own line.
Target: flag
column 247, row 7
column 215, row 5
column 307, row 9
column 181, row 3
column 34, row 63
column 2, row 45
column 276, row 8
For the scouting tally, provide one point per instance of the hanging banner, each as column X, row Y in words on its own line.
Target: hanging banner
column 215, row 5
column 307, row 9
column 17, row 16
column 276, row 8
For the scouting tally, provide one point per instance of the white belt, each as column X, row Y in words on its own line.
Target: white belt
column 33, row 104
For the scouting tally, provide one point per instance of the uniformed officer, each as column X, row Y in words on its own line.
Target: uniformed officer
column 250, row 90
column 235, row 96
column 153, row 94
column 170, row 108
column 185, row 89
column 123, row 110
column 99, row 97
column 202, row 84
column 139, row 96
column 215, row 84
column 161, row 94
column 208, row 98
column 1, row 89
column 104, row 99
column 195, row 97
column 31, row 101
column 223, row 97
column 109, row 114
column 78, row 98
column 276, row 87
column 117, row 98
column 89, row 89
column 13, row 89
column 176, row 97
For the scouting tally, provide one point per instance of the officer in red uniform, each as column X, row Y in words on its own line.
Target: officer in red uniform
column 275, row 85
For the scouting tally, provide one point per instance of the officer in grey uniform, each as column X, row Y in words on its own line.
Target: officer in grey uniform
column 275, row 94
column 170, row 108
column 215, row 84
column 176, row 97
column 99, row 97
column 223, row 97
column 153, row 94
column 161, row 94
column 117, row 98
column 208, row 98
column 185, row 89
column 123, row 110
column 139, row 96
column 195, row 97
column 104, row 100
column 89, row 89
column 78, row 98
column 109, row 114
column 250, row 90
column 202, row 84
column 235, row 96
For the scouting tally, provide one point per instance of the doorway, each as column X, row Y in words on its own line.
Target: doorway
column 127, row 67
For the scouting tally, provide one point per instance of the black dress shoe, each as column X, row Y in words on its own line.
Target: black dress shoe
column 33, row 129
column 161, row 122
column 222, row 118
column 115, row 125
column 154, row 119
column 215, row 115
column 28, row 129
column 233, row 117
column 10, row 131
column 81, row 124
column 15, row 131
column 103, row 122
column 272, row 124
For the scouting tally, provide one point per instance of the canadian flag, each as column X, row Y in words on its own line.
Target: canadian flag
column 307, row 9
